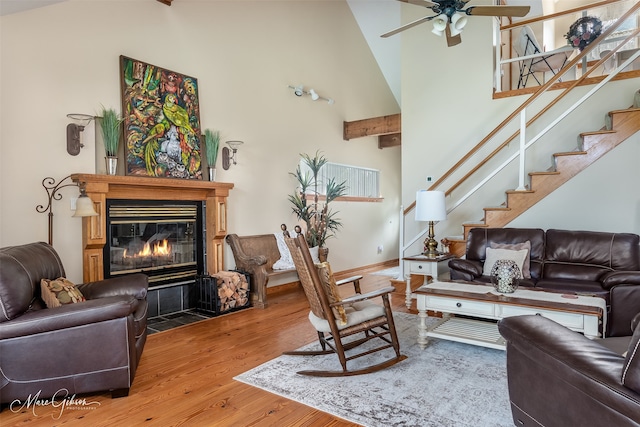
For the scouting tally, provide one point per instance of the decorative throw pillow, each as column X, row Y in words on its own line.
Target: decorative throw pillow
column 285, row 262
column 526, row 267
column 60, row 291
column 631, row 369
column 494, row 255
column 329, row 283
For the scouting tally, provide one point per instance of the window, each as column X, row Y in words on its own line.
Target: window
column 360, row 182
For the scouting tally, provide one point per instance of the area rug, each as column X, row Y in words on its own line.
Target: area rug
column 447, row 384
column 391, row 272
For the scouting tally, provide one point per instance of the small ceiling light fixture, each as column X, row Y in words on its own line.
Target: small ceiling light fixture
column 229, row 154
column 73, row 132
column 299, row 91
column 439, row 25
column 84, row 204
column 458, row 21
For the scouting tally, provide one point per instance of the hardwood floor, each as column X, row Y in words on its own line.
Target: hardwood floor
column 185, row 377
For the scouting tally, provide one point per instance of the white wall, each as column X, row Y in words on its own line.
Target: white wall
column 64, row 58
column 447, row 108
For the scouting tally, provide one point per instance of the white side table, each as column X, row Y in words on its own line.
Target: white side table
column 426, row 266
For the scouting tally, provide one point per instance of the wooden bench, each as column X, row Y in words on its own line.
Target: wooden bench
column 256, row 255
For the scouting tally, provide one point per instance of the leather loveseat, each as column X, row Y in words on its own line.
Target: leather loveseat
column 585, row 262
column 558, row 377
column 89, row 346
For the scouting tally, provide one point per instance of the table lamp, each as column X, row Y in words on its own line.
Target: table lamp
column 430, row 206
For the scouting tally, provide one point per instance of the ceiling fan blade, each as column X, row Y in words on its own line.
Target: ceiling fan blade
column 498, row 10
column 407, row 26
column 423, row 3
column 452, row 40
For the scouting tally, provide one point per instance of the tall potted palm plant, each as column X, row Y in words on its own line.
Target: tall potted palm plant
column 312, row 208
column 111, row 126
column 211, row 143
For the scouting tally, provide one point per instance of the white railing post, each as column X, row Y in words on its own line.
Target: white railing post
column 498, row 54
column 401, row 245
column 523, row 141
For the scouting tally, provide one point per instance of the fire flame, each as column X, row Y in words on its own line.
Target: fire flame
column 159, row 249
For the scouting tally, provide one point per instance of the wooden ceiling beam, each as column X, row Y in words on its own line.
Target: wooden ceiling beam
column 383, row 125
column 390, row 140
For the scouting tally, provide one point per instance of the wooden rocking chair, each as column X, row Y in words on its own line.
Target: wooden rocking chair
column 336, row 319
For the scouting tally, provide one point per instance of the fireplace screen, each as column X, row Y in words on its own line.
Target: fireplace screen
column 159, row 239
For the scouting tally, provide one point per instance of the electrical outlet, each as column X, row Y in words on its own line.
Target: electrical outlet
column 380, row 249
column 73, row 201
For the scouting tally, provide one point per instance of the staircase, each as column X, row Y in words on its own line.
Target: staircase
column 621, row 124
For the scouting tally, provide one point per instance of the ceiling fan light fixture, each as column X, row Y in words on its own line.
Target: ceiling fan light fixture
column 439, row 25
column 458, row 22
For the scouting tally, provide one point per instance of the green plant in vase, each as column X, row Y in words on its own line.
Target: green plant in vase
column 321, row 222
column 111, row 126
column 212, row 143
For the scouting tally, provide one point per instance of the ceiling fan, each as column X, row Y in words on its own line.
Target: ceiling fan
column 450, row 17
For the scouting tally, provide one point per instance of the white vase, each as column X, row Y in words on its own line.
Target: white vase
column 212, row 173
column 112, row 165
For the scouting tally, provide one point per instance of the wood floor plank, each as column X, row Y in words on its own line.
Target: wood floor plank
column 185, row 376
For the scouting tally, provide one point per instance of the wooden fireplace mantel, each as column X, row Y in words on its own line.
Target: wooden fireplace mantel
column 102, row 187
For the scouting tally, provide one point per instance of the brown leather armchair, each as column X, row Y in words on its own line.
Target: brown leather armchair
column 558, row 377
column 90, row 346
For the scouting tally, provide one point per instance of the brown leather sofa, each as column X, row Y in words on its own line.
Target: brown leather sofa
column 558, row 377
column 89, row 346
column 586, row 262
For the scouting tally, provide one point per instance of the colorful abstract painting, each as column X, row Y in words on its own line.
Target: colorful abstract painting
column 161, row 115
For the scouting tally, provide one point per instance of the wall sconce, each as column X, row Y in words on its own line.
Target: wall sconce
column 84, row 204
column 229, row 154
column 73, row 132
column 430, row 206
column 299, row 91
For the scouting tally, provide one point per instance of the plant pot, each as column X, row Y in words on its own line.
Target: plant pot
column 112, row 164
column 323, row 254
column 212, row 173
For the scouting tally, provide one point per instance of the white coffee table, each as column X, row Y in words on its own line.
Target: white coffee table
column 585, row 314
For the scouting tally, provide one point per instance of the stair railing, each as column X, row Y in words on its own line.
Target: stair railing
column 520, row 113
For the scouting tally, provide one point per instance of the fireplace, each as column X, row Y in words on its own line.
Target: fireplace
column 162, row 239
column 165, row 295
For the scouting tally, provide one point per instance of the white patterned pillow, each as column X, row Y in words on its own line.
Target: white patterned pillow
column 285, row 262
column 494, row 255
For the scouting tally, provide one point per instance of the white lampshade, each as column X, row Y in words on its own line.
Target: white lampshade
column 84, row 207
column 458, row 22
column 430, row 206
column 439, row 24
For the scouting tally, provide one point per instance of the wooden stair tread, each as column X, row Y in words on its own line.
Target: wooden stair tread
column 626, row 110
column 497, row 208
column 545, row 173
column 597, row 132
column 520, row 191
column 570, row 153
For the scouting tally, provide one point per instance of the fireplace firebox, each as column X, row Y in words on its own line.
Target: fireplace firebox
column 161, row 239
